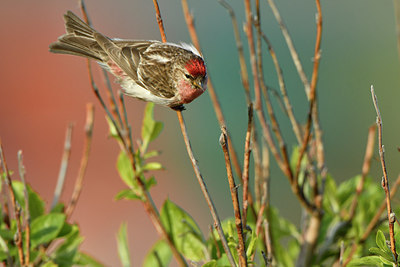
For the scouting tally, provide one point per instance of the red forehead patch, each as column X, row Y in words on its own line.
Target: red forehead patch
column 196, row 67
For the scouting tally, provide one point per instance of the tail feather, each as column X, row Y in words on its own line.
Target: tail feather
column 79, row 39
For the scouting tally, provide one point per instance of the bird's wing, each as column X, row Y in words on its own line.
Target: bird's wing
column 123, row 53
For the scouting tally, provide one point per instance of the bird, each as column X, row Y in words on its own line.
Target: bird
column 167, row 74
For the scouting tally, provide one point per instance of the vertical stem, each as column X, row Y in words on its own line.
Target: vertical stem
column 235, row 200
column 385, row 179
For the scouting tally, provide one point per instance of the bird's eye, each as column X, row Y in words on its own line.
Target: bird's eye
column 188, row 76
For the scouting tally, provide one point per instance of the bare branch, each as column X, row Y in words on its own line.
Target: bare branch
column 64, row 166
column 84, row 160
column 385, row 179
column 21, row 169
column 235, row 200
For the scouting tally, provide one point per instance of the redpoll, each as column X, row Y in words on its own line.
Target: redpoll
column 164, row 73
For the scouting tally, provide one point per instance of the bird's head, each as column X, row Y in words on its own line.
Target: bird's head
column 194, row 80
column 196, row 74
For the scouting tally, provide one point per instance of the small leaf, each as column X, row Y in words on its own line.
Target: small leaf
column 151, row 154
column 381, row 241
column 125, row 169
column 66, row 252
column 212, row 263
column 123, row 249
column 184, row 231
column 127, row 194
column 385, row 254
column 153, row 166
column 150, row 128
column 366, row 261
column 36, row 204
column 112, row 130
column 160, row 255
column 45, row 228
column 251, row 246
column 86, row 260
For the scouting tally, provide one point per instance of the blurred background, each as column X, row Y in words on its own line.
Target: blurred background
column 41, row 93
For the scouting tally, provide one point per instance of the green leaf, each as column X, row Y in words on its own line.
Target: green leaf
column 381, row 241
column 150, row 128
column 66, row 252
column 36, row 204
column 49, row 264
column 127, row 194
column 251, row 247
column 212, row 263
column 123, row 249
column 125, row 169
column 153, row 166
column 184, row 231
column 384, row 254
column 45, row 228
column 366, row 261
column 160, row 255
column 112, row 130
column 151, row 154
column 87, row 260
column 136, row 193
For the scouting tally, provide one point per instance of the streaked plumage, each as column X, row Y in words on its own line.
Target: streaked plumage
column 164, row 73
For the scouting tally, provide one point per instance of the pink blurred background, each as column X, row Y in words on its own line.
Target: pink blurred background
column 42, row 92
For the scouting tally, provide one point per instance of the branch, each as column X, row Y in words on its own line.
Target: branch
column 14, row 204
column 247, row 151
column 385, row 179
column 292, row 50
column 21, row 169
column 235, row 199
column 64, row 166
column 84, row 160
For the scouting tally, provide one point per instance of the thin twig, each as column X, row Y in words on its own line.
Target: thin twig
column 14, row 204
column 313, row 86
column 287, row 105
column 127, row 127
column 369, row 152
column 22, row 172
column 214, row 99
column 247, row 151
column 235, row 199
column 385, row 179
column 160, row 21
column 268, row 241
column 64, row 166
column 270, row 110
column 210, row 203
column 84, row 160
column 292, row 50
column 243, row 68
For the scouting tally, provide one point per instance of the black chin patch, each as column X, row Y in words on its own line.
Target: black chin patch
column 178, row 108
